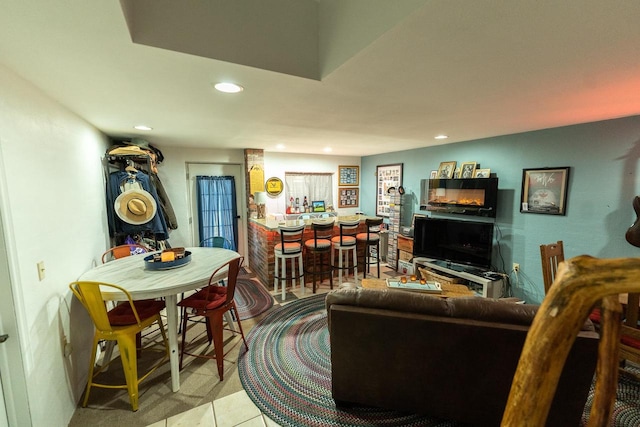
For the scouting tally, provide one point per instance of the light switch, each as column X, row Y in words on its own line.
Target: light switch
column 41, row 270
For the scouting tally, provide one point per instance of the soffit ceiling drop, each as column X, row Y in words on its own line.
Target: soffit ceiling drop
column 364, row 76
column 296, row 37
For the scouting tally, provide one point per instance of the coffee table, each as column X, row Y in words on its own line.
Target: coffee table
column 448, row 290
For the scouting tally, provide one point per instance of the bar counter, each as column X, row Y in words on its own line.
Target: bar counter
column 263, row 236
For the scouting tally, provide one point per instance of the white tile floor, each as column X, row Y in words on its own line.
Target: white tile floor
column 229, row 411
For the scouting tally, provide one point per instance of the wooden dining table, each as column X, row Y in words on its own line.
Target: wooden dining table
column 130, row 273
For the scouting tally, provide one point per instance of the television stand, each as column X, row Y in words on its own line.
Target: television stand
column 486, row 284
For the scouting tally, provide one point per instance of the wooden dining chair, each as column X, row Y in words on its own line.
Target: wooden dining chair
column 551, row 256
column 122, row 324
column 212, row 302
column 122, row 251
column 630, row 332
column 581, row 283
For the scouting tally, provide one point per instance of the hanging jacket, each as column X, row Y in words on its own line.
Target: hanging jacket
column 157, row 226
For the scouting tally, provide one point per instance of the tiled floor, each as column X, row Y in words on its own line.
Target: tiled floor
column 236, row 409
column 233, row 410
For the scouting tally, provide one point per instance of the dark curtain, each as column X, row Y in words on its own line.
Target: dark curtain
column 217, row 212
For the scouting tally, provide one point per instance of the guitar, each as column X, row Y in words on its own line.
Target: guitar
column 633, row 233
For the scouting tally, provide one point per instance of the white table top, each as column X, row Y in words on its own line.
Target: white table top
column 130, row 273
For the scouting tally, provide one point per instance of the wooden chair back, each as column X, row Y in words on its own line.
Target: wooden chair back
column 122, row 251
column 581, row 283
column 551, row 256
column 629, row 333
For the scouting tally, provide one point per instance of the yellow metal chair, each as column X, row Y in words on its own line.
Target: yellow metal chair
column 121, row 324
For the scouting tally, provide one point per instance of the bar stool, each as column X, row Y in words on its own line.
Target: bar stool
column 290, row 247
column 370, row 239
column 318, row 246
column 345, row 242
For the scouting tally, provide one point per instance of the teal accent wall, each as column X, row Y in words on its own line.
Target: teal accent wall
column 603, row 181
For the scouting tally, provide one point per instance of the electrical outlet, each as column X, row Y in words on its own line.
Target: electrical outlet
column 516, row 267
column 41, row 270
column 68, row 349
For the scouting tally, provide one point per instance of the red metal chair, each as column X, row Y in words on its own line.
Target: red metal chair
column 212, row 302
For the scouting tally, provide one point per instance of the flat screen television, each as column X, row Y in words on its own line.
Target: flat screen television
column 455, row 244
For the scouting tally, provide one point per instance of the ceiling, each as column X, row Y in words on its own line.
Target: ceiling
column 360, row 76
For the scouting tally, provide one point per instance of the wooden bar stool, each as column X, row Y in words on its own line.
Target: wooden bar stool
column 317, row 247
column 346, row 242
column 370, row 239
column 290, row 247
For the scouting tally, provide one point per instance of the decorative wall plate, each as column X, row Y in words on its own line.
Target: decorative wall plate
column 274, row 186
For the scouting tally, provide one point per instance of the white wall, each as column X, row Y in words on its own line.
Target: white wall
column 54, row 208
column 276, row 164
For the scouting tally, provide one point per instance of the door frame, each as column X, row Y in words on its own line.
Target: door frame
column 240, row 201
column 13, row 381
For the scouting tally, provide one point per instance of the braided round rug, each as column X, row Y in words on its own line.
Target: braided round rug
column 287, row 372
column 251, row 298
column 626, row 409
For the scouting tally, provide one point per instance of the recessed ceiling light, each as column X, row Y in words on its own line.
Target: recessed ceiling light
column 142, row 127
column 227, row 87
column 327, row 149
column 280, row 146
column 441, row 137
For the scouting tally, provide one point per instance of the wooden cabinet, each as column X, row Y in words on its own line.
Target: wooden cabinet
column 405, row 243
column 405, row 254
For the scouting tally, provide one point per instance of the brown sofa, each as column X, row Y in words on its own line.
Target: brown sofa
column 449, row 358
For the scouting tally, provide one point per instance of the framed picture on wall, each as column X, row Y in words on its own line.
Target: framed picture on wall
column 348, row 175
column 348, row 197
column 544, row 190
column 387, row 176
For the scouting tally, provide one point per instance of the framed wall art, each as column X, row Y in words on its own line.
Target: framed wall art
column 387, row 177
column 446, row 170
column 467, row 169
column 544, row 190
column 348, row 175
column 482, row 173
column 348, row 197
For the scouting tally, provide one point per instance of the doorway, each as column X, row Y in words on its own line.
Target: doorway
column 218, row 170
column 14, row 401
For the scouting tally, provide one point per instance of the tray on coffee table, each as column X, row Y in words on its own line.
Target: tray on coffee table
column 415, row 285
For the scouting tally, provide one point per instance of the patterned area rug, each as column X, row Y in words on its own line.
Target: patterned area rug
column 287, row 374
column 251, row 298
column 626, row 409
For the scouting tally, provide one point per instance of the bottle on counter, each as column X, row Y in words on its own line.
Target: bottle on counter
column 305, row 205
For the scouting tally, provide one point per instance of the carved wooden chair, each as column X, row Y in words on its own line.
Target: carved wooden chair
column 551, row 255
column 580, row 284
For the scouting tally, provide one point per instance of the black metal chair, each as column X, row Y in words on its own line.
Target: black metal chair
column 318, row 247
column 370, row 239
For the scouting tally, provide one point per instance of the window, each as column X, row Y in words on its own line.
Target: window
column 315, row 186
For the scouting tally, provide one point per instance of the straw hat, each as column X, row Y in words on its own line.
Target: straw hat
column 135, row 206
column 128, row 150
